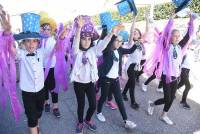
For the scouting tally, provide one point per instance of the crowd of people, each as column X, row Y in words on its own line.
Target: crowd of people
column 51, row 55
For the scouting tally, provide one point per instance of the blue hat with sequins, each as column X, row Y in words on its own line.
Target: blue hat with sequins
column 126, row 6
column 30, row 27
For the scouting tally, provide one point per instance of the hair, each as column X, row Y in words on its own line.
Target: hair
column 114, row 37
column 174, row 30
column 138, row 30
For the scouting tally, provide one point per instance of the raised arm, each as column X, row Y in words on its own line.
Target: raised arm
column 189, row 33
column 128, row 51
column 76, row 41
column 104, row 43
column 7, row 34
column 132, row 30
column 167, row 32
column 147, row 27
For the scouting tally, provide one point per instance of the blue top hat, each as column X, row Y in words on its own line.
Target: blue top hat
column 124, row 35
column 107, row 21
column 30, row 26
column 112, row 24
column 181, row 4
column 105, row 18
column 126, row 6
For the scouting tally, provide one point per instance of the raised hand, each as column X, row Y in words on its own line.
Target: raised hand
column 5, row 20
column 117, row 28
column 80, row 21
column 64, row 32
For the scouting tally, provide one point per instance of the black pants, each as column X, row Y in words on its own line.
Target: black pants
column 98, row 85
column 130, row 85
column 152, row 78
column 169, row 93
column 185, row 81
column 49, row 85
column 33, row 105
column 141, row 71
column 113, row 85
column 80, row 90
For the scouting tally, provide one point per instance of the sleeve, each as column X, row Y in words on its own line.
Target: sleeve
column 189, row 33
column 128, row 51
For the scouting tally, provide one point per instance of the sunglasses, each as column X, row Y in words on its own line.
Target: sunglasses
column 46, row 28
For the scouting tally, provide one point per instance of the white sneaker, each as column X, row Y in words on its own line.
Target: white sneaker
column 160, row 90
column 166, row 120
column 150, row 108
column 101, row 117
column 129, row 124
column 144, row 87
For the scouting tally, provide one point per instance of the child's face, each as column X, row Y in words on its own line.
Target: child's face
column 118, row 42
column 175, row 37
column 136, row 35
column 31, row 45
column 46, row 30
column 86, row 42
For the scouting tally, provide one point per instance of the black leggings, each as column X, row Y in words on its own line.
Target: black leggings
column 131, row 82
column 49, row 85
column 169, row 93
column 98, row 85
column 185, row 81
column 113, row 85
column 80, row 90
column 141, row 71
column 152, row 78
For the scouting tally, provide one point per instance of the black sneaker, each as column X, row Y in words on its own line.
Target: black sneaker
column 185, row 105
column 56, row 112
column 79, row 128
column 47, row 108
column 90, row 125
column 124, row 96
column 135, row 106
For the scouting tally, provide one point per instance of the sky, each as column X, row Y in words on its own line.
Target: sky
column 64, row 10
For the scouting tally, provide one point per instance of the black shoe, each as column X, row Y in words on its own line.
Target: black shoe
column 185, row 105
column 56, row 112
column 79, row 128
column 90, row 125
column 47, row 107
column 124, row 96
column 135, row 106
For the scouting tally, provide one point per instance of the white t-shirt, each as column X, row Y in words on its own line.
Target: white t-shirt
column 48, row 48
column 187, row 63
column 114, row 71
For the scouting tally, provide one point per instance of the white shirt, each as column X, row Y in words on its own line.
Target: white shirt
column 136, row 58
column 187, row 63
column 48, row 48
column 174, row 64
column 87, row 73
column 31, row 70
column 114, row 71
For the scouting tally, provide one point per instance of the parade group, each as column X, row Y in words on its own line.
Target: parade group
column 51, row 56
